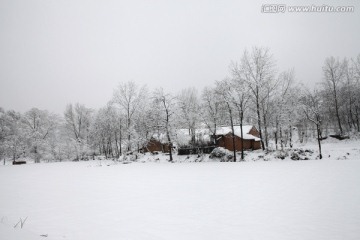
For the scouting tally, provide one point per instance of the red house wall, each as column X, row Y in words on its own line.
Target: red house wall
column 226, row 142
column 156, row 146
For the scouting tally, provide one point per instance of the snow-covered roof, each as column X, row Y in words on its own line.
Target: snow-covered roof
column 183, row 135
column 237, row 132
column 205, row 132
column 198, row 131
column 161, row 137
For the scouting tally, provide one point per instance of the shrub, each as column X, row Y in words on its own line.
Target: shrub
column 222, row 153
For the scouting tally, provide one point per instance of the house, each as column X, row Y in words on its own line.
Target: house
column 205, row 140
column 155, row 145
column 223, row 138
column 251, row 138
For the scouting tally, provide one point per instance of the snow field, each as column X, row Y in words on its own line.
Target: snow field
column 251, row 200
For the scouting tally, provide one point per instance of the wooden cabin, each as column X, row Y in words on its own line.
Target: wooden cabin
column 251, row 138
column 154, row 145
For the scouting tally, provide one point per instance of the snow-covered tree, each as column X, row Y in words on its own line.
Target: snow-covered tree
column 240, row 96
column 188, row 105
column 12, row 138
column 224, row 91
column 211, row 110
column 77, row 123
column 165, row 105
column 130, row 98
column 257, row 69
column 311, row 107
column 284, row 108
column 351, row 93
column 334, row 77
column 104, row 132
column 39, row 125
column 147, row 123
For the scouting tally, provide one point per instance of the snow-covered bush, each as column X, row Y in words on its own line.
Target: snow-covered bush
column 130, row 157
column 301, row 154
column 222, row 153
column 295, row 156
column 281, row 154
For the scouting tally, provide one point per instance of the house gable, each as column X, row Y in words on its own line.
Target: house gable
column 250, row 140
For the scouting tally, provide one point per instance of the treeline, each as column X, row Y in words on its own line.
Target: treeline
column 255, row 92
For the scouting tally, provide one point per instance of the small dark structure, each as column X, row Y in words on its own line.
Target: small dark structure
column 154, row 145
column 18, row 162
column 340, row 137
column 195, row 150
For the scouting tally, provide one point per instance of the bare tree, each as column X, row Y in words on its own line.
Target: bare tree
column 38, row 124
column 354, row 89
column 189, row 110
column 356, row 64
column 284, row 108
column 211, row 110
column 223, row 89
column 257, row 69
column 240, row 95
column 129, row 98
column 311, row 106
column 166, row 104
column 350, row 94
column 77, row 122
column 12, row 138
column 146, row 124
column 334, row 73
column 104, row 132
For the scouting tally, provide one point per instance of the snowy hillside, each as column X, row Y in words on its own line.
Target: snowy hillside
column 276, row 199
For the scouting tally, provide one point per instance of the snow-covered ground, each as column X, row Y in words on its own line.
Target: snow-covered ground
column 257, row 199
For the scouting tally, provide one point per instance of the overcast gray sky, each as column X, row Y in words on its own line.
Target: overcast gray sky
column 57, row 52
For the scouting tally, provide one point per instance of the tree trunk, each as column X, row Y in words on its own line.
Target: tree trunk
column 242, row 134
column 169, row 144
column 37, row 160
column 259, row 118
column 265, row 132
column 337, row 111
column 116, row 145
column 276, row 131
column 319, row 136
column 281, row 140
column 319, row 141
column 232, row 130
column 356, row 119
column 193, row 140
column 290, row 129
column 242, row 141
column 168, row 133
column 120, row 138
